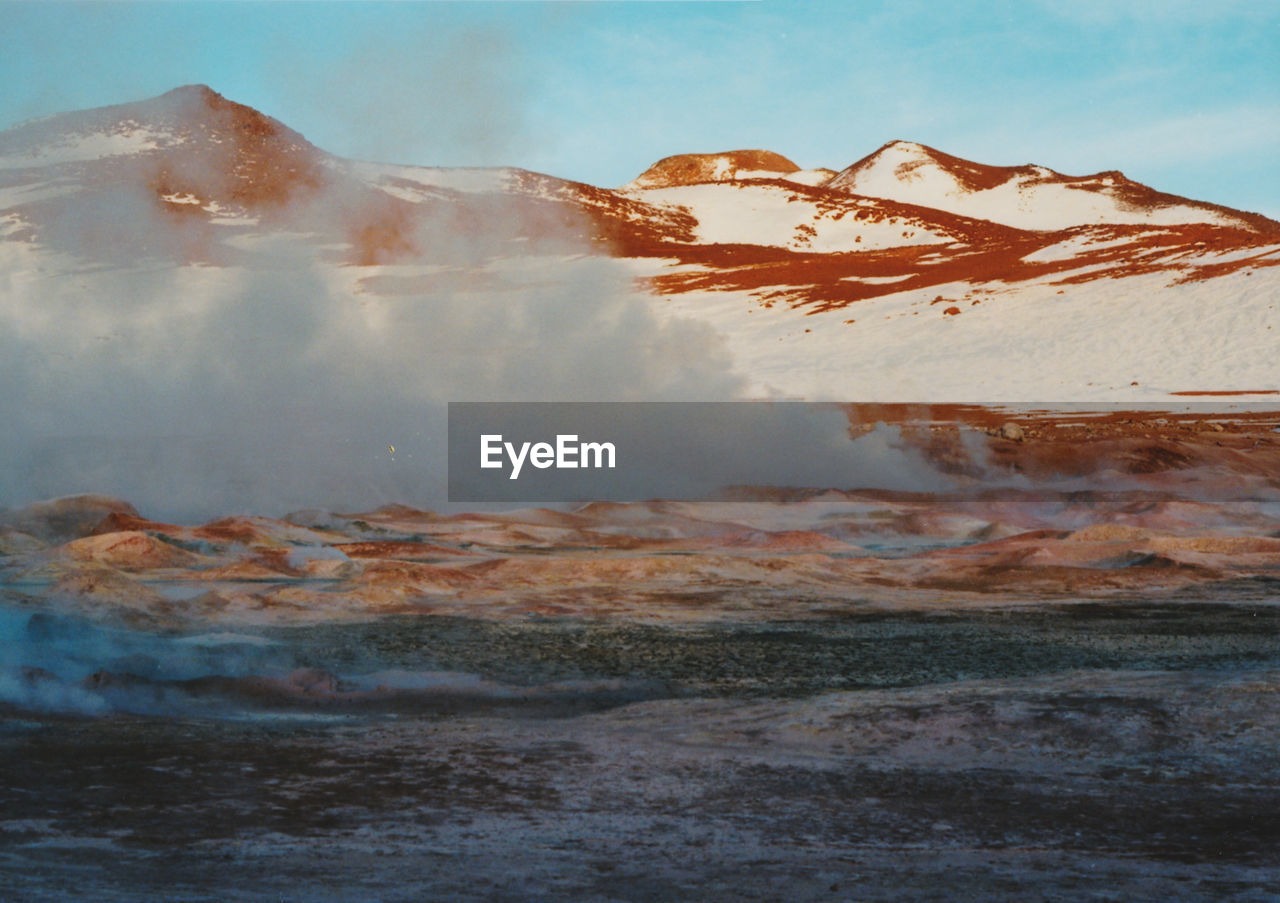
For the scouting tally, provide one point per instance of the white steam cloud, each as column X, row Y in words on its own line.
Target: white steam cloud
column 284, row 379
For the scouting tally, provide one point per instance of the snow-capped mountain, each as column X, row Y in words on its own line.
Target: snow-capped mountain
column 1027, row 197
column 910, row 274
column 201, row 169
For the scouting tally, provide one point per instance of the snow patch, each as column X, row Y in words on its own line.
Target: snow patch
column 421, row 179
column 809, row 176
column 877, row 280
column 93, row 146
column 1073, row 246
column 769, row 215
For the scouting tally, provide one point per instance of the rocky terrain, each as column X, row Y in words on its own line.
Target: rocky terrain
column 1101, row 504
column 756, row 737
column 821, row 695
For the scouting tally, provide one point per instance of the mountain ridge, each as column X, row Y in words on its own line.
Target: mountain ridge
column 915, row 173
column 198, row 147
column 204, row 178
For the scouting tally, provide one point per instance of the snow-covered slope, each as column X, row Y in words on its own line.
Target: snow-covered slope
column 1139, row 338
column 1026, row 197
column 910, row 272
column 786, row 216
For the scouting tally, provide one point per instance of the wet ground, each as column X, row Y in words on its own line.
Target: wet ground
column 1111, row 751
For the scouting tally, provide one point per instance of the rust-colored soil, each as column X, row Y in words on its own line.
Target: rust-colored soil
column 983, row 254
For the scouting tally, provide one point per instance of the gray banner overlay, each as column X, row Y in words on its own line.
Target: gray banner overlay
column 630, row 451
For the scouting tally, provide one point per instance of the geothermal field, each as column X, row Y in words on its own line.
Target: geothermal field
column 833, row 695
column 251, row 650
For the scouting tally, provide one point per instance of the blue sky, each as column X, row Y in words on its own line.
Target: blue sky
column 1183, row 96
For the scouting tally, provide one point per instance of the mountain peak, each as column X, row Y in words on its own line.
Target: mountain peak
column 725, row 166
column 911, row 147
column 192, row 90
column 898, row 152
column 1026, row 197
column 188, row 150
column 911, row 162
column 177, row 116
column 199, row 106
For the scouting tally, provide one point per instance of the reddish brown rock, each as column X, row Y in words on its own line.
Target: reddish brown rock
column 689, row 169
column 130, row 550
column 59, row 520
